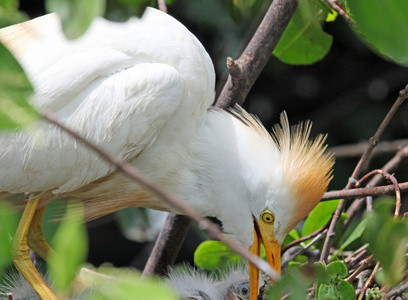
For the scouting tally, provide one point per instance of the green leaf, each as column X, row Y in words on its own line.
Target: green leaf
column 379, row 24
column 295, row 281
column 293, row 235
column 70, row 245
column 76, row 15
column 346, row 290
column 320, row 215
column 14, row 90
column 304, row 41
column 213, row 254
column 107, row 282
column 9, row 13
column 338, row 269
column 387, row 238
column 8, row 225
column 356, row 234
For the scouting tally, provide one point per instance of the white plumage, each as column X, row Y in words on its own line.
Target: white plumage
column 140, row 90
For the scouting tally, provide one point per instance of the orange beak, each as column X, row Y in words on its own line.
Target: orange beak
column 273, row 251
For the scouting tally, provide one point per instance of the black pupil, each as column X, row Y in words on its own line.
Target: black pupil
column 244, row 291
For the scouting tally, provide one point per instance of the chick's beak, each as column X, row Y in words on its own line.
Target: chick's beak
column 272, row 250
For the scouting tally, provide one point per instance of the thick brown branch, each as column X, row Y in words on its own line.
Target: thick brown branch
column 167, row 245
column 403, row 94
column 247, row 68
column 212, row 229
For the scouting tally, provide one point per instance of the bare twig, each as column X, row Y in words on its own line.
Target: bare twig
column 246, row 69
column 305, row 238
column 391, row 178
column 390, row 166
column 167, row 245
column 364, row 192
column 403, row 94
column 364, row 264
column 162, row 5
column 356, row 150
column 212, row 229
column 340, row 10
column 402, row 288
column 368, row 282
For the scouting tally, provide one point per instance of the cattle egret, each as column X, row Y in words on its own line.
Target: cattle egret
column 141, row 90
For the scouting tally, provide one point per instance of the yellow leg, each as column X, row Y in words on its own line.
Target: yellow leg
column 21, row 255
column 35, row 236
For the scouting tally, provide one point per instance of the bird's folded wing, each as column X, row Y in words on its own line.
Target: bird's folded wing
column 121, row 113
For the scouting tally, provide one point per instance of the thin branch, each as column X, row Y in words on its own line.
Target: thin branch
column 364, row 192
column 356, row 150
column 305, row 238
column 212, row 229
column 390, row 166
column 246, row 69
column 402, row 288
column 365, row 263
column 368, row 282
column 403, row 94
column 162, row 5
column 340, row 10
column 389, row 177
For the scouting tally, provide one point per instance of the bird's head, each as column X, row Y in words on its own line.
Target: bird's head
column 285, row 175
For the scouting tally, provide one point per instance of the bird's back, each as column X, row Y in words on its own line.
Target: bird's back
column 124, row 86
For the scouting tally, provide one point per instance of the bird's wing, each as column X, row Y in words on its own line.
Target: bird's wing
column 119, row 85
column 122, row 114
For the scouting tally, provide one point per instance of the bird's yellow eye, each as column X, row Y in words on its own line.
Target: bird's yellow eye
column 268, row 217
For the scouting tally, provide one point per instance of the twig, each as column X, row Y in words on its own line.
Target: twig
column 212, row 229
column 368, row 282
column 162, row 5
column 402, row 288
column 340, row 10
column 364, row 192
column 364, row 264
column 389, row 177
column 305, row 238
column 246, row 69
column 403, row 94
column 390, row 166
column 167, row 245
column 356, row 150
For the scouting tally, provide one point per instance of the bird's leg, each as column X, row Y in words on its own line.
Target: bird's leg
column 35, row 235
column 21, row 254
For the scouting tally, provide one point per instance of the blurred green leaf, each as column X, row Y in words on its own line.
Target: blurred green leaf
column 106, row 283
column 356, row 234
column 213, row 254
column 8, row 225
column 319, row 216
column 14, row 90
column 304, row 41
column 70, row 245
column 76, row 15
column 379, row 23
column 9, row 13
column 387, row 238
column 295, row 281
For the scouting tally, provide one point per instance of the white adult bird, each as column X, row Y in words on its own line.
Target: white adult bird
column 140, row 90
